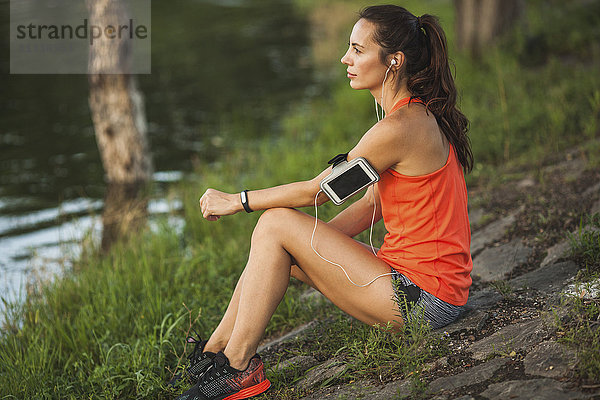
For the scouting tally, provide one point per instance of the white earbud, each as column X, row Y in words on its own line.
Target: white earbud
column 394, row 62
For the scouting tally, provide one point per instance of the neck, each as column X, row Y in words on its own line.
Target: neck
column 390, row 97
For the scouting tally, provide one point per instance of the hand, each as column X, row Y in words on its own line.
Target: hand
column 214, row 204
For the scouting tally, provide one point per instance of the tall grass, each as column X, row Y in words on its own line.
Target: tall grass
column 110, row 329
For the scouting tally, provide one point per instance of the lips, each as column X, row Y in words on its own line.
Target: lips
column 351, row 75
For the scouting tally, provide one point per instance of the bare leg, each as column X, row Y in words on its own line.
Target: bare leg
column 220, row 336
column 267, row 273
column 266, row 279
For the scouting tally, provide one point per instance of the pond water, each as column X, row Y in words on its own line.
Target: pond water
column 220, row 70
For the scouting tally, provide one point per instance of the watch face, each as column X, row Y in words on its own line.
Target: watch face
column 350, row 181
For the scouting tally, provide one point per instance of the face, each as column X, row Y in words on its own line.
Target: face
column 364, row 66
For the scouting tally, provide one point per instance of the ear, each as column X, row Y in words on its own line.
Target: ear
column 399, row 57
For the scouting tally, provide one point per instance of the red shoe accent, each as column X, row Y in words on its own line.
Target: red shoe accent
column 251, row 391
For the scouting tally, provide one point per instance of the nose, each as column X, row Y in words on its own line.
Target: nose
column 346, row 58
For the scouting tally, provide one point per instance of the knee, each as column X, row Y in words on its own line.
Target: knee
column 272, row 222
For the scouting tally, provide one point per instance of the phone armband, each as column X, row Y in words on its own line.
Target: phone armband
column 347, row 178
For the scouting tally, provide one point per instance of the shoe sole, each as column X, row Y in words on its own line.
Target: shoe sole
column 250, row 392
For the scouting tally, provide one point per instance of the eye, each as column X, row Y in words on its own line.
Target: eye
column 356, row 50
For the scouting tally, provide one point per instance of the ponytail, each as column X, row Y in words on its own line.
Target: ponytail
column 427, row 70
column 434, row 84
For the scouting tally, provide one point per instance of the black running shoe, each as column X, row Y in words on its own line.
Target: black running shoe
column 222, row 382
column 198, row 363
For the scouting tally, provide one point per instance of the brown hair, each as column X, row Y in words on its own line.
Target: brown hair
column 426, row 66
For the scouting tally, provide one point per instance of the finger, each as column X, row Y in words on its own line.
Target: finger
column 205, row 205
column 203, row 197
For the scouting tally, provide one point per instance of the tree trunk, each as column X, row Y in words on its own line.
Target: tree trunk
column 479, row 22
column 120, row 125
column 125, row 211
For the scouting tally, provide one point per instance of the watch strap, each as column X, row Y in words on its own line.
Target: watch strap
column 244, row 198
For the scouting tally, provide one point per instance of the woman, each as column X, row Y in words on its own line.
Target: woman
column 420, row 150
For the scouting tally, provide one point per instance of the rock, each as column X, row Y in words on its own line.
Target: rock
column 571, row 169
column 550, row 359
column 492, row 232
column 393, row 390
column 526, row 183
column 559, row 250
column 595, row 208
column 495, row 262
column 472, row 376
column 319, row 374
column 288, row 336
column 520, row 336
column 592, row 191
column 531, row 389
column 355, row 390
column 437, row 364
column 563, row 248
column 301, row 362
column 472, row 320
column 483, row 299
column 548, row 279
column 475, row 217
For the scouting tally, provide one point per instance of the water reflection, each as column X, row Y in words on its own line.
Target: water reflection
column 221, row 71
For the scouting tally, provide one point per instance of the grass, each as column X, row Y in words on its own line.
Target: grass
column 582, row 333
column 581, row 329
column 585, row 247
column 503, row 288
column 365, row 353
column 110, row 329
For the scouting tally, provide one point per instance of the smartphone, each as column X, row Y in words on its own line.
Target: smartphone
column 347, row 178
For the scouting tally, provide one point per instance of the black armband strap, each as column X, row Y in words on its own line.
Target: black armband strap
column 338, row 159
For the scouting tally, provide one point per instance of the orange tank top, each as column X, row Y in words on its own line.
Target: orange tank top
column 428, row 237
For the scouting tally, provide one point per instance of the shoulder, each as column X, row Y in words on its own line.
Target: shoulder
column 383, row 145
column 403, row 137
column 417, row 126
column 403, row 128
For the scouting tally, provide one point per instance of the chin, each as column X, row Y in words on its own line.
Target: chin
column 354, row 85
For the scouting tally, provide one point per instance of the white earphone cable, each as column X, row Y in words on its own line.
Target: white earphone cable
column 370, row 240
column 382, row 93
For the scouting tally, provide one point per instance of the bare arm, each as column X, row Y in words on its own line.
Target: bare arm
column 356, row 218
column 375, row 146
column 215, row 204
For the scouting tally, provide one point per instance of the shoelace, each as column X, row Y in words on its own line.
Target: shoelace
column 197, row 342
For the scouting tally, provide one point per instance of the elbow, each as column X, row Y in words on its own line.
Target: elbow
column 314, row 193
